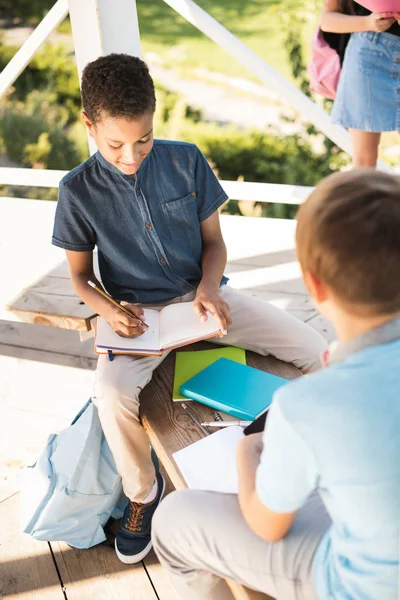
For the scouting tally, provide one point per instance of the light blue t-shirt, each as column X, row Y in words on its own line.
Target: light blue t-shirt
column 338, row 431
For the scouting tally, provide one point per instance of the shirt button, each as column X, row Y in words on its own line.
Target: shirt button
column 186, row 286
column 149, row 225
column 163, row 260
column 138, row 190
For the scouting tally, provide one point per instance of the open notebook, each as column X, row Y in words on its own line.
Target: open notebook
column 174, row 326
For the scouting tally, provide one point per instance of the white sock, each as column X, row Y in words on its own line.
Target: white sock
column 152, row 494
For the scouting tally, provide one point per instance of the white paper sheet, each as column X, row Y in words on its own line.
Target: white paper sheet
column 210, row 464
column 179, row 322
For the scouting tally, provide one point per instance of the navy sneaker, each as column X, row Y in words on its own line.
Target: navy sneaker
column 133, row 541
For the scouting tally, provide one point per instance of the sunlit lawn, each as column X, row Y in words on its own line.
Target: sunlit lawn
column 182, row 46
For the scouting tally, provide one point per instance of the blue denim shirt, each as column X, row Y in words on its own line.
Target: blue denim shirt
column 147, row 230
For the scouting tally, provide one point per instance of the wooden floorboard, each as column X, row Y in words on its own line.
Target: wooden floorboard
column 159, row 578
column 27, row 570
column 97, row 574
column 44, row 338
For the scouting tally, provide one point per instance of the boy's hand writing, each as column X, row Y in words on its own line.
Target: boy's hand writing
column 208, row 299
column 125, row 325
column 379, row 22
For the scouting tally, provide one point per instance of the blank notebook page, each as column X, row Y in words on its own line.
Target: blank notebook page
column 210, row 464
column 179, row 322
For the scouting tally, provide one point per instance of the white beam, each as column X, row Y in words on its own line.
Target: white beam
column 266, row 192
column 236, row 190
column 198, row 17
column 101, row 27
column 20, row 60
column 31, row 177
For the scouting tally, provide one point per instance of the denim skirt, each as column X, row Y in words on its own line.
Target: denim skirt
column 368, row 96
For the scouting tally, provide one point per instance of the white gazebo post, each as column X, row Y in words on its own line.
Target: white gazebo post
column 100, row 27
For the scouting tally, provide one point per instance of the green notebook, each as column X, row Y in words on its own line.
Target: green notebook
column 188, row 364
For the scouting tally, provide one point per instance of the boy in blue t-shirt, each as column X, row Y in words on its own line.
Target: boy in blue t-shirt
column 150, row 207
column 318, row 511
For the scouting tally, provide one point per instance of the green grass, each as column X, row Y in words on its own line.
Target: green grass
column 184, row 47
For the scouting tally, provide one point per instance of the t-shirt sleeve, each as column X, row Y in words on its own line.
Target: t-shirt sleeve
column 287, row 472
column 72, row 230
column 209, row 192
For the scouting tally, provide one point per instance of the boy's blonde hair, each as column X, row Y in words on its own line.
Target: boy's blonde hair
column 348, row 235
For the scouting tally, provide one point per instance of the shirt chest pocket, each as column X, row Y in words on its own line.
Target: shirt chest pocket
column 180, row 218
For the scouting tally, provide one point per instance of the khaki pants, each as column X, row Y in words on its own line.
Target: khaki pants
column 256, row 325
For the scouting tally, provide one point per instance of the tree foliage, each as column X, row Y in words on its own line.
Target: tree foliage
column 26, row 10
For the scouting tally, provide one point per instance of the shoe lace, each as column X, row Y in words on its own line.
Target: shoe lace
column 135, row 517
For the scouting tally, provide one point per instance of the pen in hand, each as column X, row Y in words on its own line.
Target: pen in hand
column 120, row 306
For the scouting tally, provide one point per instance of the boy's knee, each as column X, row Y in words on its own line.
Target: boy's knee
column 169, row 518
column 113, row 391
column 315, row 347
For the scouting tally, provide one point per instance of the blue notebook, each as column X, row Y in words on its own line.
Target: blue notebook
column 233, row 388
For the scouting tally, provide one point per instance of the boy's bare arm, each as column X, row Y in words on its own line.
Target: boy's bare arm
column 267, row 524
column 213, row 264
column 81, row 270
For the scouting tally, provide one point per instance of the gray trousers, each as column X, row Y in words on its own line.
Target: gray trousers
column 201, row 538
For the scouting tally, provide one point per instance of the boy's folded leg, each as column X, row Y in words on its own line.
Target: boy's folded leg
column 259, row 326
column 202, row 538
column 118, row 384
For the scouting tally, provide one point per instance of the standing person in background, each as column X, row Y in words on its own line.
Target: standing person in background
column 368, row 97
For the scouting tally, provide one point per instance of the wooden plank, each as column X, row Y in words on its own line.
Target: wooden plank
column 52, row 309
column 159, row 578
column 168, row 425
column 51, row 284
column 170, row 428
column 50, row 339
column 242, row 593
column 50, row 357
column 27, row 569
column 98, row 574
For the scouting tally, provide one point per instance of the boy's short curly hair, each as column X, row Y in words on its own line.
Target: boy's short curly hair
column 117, row 85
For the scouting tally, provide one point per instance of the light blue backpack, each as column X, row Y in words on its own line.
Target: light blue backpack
column 74, row 488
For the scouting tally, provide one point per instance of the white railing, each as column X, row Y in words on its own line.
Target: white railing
column 236, row 190
column 21, row 59
column 100, row 26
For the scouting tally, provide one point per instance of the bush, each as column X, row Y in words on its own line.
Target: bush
column 52, row 69
column 25, row 10
column 253, row 156
column 35, row 133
